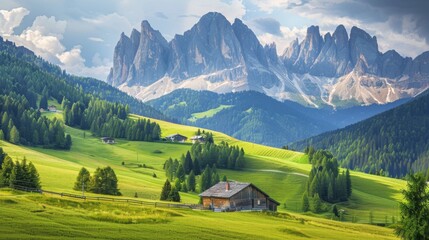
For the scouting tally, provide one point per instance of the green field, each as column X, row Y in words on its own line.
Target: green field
column 280, row 173
column 209, row 113
column 26, row 216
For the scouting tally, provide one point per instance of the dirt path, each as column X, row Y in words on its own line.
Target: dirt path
column 276, row 171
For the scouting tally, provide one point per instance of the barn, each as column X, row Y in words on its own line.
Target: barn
column 237, row 196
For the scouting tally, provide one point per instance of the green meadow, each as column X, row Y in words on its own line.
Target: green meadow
column 280, row 173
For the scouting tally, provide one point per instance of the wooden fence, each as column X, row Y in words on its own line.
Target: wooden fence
column 111, row 199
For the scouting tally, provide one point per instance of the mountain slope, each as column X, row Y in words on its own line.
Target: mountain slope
column 391, row 143
column 336, row 69
column 90, row 86
column 255, row 117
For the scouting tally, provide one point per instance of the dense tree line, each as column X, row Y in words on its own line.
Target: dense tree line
column 20, row 124
column 389, row 144
column 103, row 181
column 13, row 174
column 176, row 174
column 222, row 155
column 109, row 120
column 325, row 182
column 207, row 154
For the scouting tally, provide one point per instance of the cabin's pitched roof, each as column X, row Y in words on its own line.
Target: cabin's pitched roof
column 176, row 135
column 219, row 190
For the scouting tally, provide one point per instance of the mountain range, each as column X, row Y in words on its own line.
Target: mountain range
column 337, row 69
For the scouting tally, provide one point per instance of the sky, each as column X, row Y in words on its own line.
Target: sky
column 80, row 35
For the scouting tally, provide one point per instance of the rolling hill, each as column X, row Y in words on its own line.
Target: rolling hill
column 280, row 173
column 391, row 143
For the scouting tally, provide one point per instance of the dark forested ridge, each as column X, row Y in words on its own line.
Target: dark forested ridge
column 28, row 82
column 85, row 85
column 255, row 117
column 390, row 144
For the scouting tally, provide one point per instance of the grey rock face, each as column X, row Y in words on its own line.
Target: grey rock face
column 363, row 46
column 150, row 61
column 219, row 56
column 291, row 53
column 310, row 49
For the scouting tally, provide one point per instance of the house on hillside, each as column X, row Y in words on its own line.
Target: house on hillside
column 108, row 140
column 52, row 108
column 198, row 139
column 236, row 196
column 176, row 138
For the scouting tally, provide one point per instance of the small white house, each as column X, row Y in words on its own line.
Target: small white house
column 108, row 140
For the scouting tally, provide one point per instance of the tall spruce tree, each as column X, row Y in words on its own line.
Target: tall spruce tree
column 190, row 181
column 305, row 203
column 166, row 189
column 14, row 135
column 33, row 176
column 348, row 183
column 187, row 165
column 414, row 223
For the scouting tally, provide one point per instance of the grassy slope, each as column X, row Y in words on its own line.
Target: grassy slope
column 276, row 171
column 52, row 218
column 209, row 113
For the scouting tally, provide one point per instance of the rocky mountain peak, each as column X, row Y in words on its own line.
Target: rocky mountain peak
column 361, row 43
column 222, row 57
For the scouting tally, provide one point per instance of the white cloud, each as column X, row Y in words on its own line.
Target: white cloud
column 44, row 38
column 270, row 5
column 282, row 42
column 96, row 39
column 9, row 20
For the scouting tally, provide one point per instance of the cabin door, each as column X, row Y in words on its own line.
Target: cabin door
column 253, row 203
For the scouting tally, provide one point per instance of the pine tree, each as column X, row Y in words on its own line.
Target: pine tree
column 174, row 195
column 205, row 179
column 305, row 203
column 166, row 189
column 180, row 173
column 33, row 176
column 348, row 184
column 187, row 165
column 14, row 135
column 177, row 184
column 414, row 222
column 316, row 204
column 68, row 142
column 196, row 167
column 335, row 211
column 224, row 178
column 190, row 181
column 184, row 188
column 16, row 177
column 83, row 178
column 6, row 171
column 2, row 137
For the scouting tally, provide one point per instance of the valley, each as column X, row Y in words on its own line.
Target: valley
column 279, row 172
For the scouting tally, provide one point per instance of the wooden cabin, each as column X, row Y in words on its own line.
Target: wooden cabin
column 176, row 138
column 237, row 196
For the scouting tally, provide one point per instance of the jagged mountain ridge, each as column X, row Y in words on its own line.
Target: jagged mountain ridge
column 218, row 56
